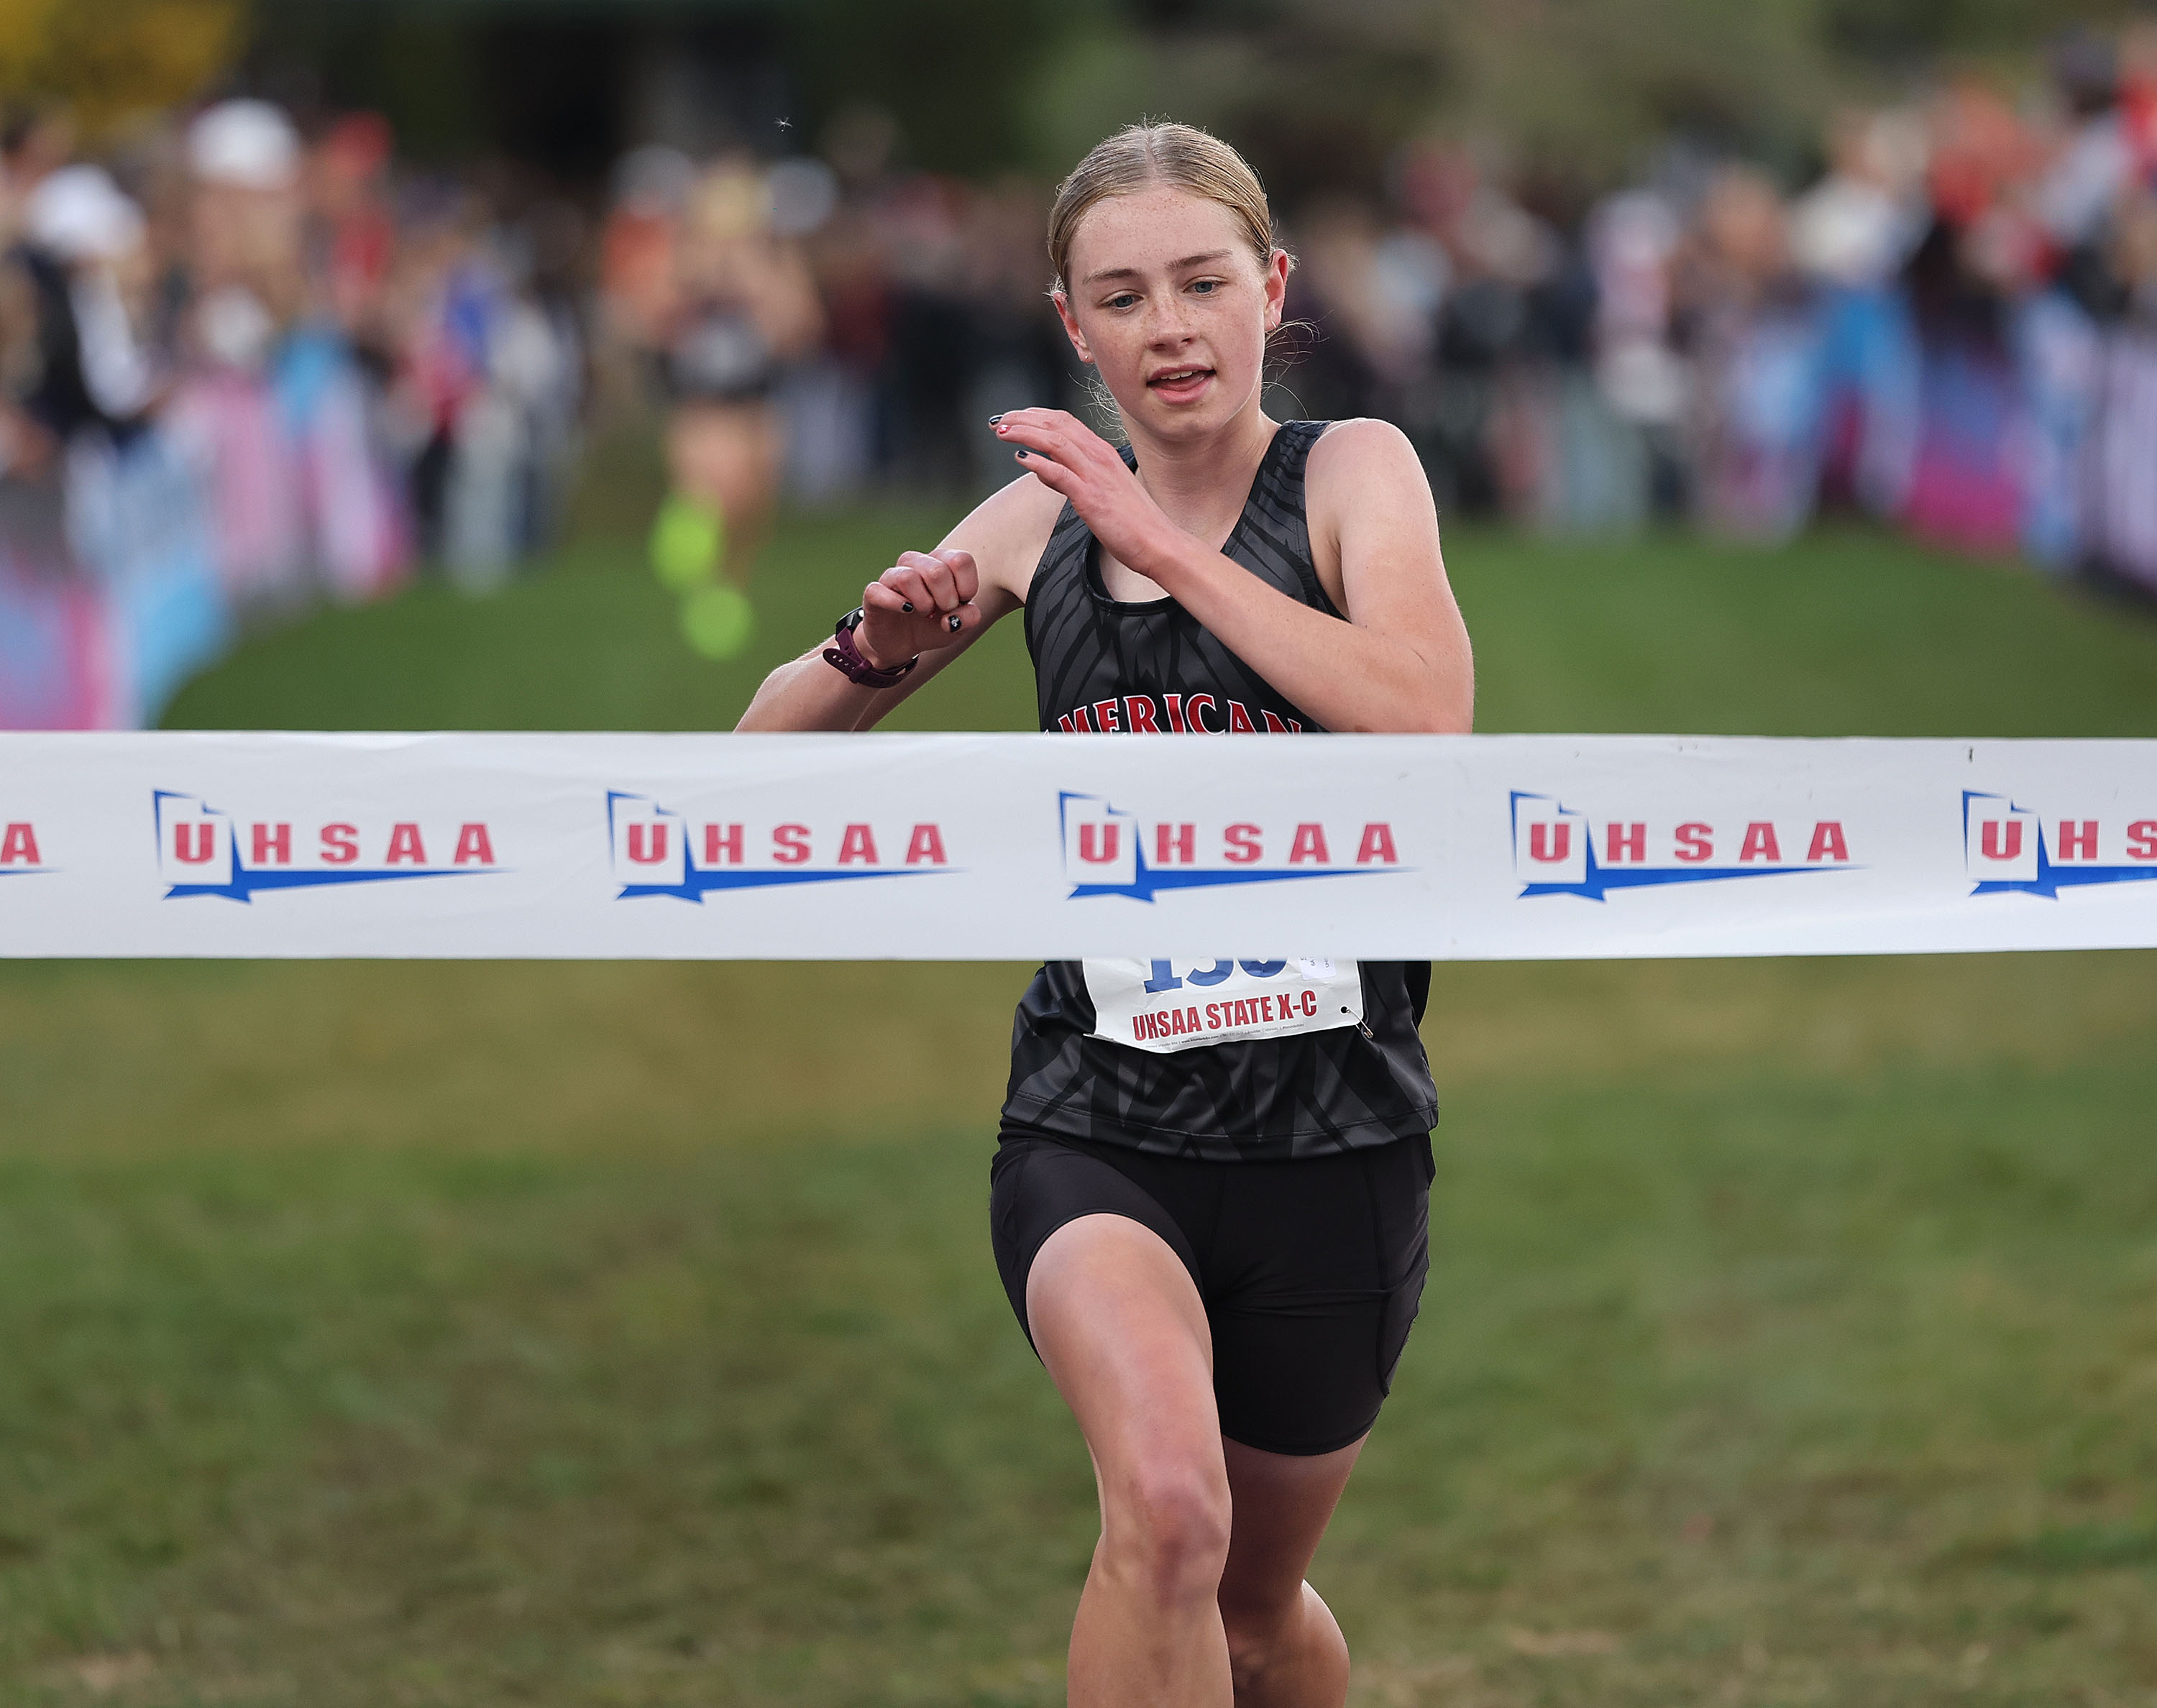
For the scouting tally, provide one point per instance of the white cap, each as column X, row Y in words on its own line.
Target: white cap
column 247, row 144
column 80, row 214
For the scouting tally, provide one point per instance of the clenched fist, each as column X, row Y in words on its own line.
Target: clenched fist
column 923, row 602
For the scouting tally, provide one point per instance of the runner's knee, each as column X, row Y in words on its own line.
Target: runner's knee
column 1166, row 1521
column 1271, row 1630
column 1255, row 1633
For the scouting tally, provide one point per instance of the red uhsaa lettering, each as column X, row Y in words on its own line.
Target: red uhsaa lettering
column 723, row 844
column 1245, row 844
column 796, row 845
column 475, row 846
column 1267, row 1010
column 18, row 845
column 2077, row 840
column 792, row 845
column 270, row 845
column 1165, row 1023
column 1694, row 842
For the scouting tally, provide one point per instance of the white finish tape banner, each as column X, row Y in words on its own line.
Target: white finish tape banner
column 1027, row 847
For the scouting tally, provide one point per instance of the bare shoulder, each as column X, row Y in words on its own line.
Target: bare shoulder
column 1007, row 532
column 1368, row 504
column 1362, row 457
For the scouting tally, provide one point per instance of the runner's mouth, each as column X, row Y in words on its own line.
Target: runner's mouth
column 1179, row 378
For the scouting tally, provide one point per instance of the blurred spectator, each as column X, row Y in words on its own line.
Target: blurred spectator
column 491, row 377
column 351, row 230
column 1857, row 225
column 1494, row 251
column 831, row 395
column 82, row 249
column 1982, row 252
column 109, row 557
column 1017, row 357
column 276, row 413
column 1633, row 244
column 1756, row 337
column 2123, row 479
column 924, row 438
column 1852, row 234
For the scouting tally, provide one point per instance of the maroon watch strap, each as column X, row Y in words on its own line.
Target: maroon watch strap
column 844, row 656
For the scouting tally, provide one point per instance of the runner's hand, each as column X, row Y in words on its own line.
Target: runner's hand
column 922, row 603
column 1063, row 453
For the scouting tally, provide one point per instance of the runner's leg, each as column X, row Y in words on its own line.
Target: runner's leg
column 1120, row 1325
column 1285, row 1650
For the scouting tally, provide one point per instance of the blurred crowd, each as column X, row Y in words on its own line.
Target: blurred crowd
column 241, row 372
column 1953, row 329
column 244, row 367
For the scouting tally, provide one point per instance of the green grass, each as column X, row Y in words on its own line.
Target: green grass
column 1852, row 633
column 625, row 1335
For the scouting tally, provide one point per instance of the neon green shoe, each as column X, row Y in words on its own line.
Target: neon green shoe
column 718, row 621
column 687, row 540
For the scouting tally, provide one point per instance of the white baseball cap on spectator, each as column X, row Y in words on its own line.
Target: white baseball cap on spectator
column 249, row 144
column 80, row 214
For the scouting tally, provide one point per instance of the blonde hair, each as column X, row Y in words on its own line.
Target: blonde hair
column 1140, row 156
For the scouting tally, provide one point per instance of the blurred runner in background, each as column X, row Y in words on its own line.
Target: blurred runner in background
column 734, row 304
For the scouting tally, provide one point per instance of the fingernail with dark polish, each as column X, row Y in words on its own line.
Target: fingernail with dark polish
column 906, row 605
column 993, row 419
column 957, row 624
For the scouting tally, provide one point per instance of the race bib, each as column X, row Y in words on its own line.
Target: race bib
column 1165, row 1006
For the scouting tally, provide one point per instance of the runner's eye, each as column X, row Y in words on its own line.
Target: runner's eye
column 1122, row 299
column 1206, row 287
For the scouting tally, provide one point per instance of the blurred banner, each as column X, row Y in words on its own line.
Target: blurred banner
column 1169, row 854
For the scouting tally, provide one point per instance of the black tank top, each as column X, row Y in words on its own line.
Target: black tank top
column 1154, row 668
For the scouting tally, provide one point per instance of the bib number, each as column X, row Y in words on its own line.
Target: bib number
column 1164, row 1006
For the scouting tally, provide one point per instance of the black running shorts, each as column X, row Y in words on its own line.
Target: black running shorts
column 1310, row 1270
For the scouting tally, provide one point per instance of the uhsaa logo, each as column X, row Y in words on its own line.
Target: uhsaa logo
column 2010, row 849
column 655, row 851
column 1108, row 851
column 1558, row 851
column 204, row 851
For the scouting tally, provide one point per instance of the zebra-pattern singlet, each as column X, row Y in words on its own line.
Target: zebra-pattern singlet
column 1103, row 665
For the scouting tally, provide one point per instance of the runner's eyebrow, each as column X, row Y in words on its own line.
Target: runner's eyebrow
column 1107, row 273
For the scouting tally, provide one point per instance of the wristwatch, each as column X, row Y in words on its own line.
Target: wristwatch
column 847, row 658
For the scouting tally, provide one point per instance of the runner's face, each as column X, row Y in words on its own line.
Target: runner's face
column 1168, row 301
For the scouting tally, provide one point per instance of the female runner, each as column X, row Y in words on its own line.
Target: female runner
column 1217, row 1251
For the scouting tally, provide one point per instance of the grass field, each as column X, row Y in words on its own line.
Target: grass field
column 476, row 1335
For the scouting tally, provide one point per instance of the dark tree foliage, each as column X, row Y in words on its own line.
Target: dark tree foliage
column 1318, row 92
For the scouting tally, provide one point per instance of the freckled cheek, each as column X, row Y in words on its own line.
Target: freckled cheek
column 1119, row 347
column 1240, row 350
